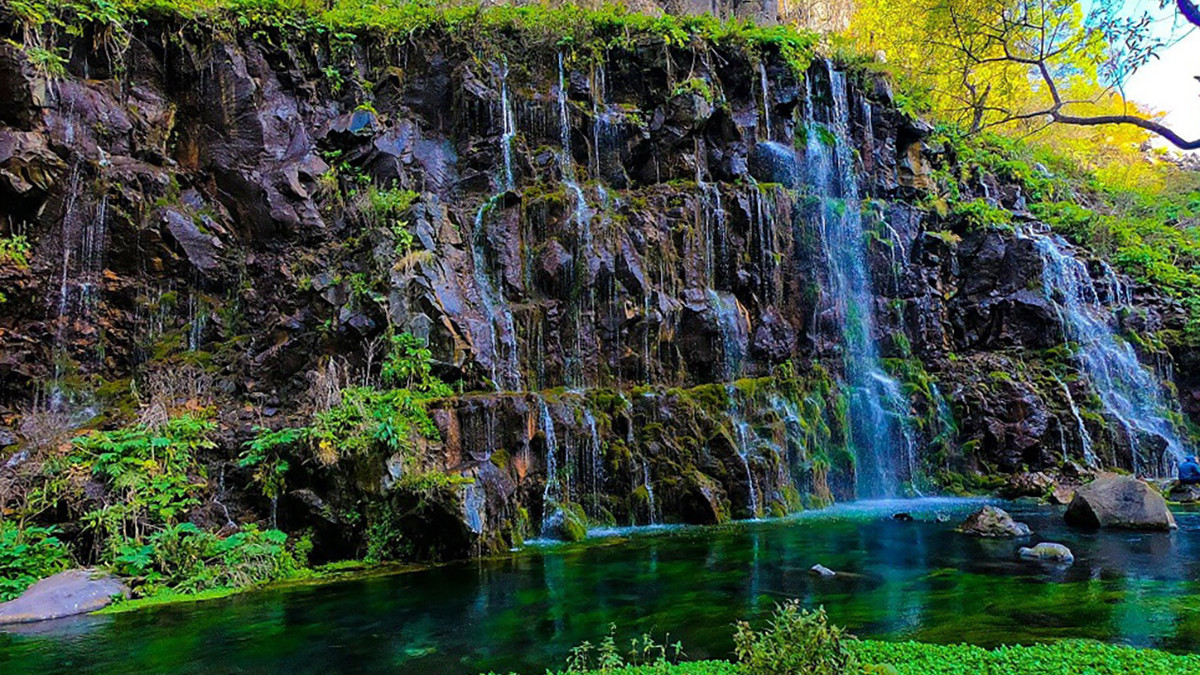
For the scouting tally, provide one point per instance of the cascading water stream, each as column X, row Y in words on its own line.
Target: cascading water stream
column 1129, row 392
column 649, row 485
column 1085, row 439
column 505, row 366
column 552, row 492
column 744, row 437
column 884, row 444
column 583, row 230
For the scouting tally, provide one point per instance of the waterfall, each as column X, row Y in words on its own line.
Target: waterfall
column 594, row 459
column 552, row 492
column 1085, row 439
column 84, row 240
column 1129, row 392
column 509, row 128
column 566, row 161
column 474, row 505
column 744, row 437
column 649, row 485
column 505, row 366
column 764, row 84
column 734, row 331
column 882, row 439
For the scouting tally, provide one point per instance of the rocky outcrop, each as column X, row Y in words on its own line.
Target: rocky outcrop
column 992, row 522
column 64, row 594
column 1122, row 502
column 646, row 309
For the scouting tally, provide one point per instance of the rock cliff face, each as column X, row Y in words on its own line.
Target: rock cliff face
column 622, row 258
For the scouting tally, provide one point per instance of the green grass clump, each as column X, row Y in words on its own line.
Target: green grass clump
column 502, row 28
column 1062, row 658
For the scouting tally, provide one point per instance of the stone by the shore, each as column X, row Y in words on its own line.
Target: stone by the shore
column 64, row 594
column 1122, row 502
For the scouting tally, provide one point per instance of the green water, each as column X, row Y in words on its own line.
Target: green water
column 902, row 580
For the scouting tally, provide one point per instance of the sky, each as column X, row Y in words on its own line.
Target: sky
column 1168, row 85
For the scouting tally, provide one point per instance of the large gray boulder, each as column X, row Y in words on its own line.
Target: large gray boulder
column 993, row 522
column 64, row 594
column 1119, row 502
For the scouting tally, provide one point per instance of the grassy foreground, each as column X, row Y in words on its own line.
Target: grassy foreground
column 913, row 658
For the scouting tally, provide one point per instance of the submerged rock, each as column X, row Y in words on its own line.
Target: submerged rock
column 64, row 594
column 993, row 522
column 1048, row 551
column 1119, row 502
column 822, row 571
column 902, row 517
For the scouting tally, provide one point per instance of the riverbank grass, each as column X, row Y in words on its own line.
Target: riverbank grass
column 914, row 658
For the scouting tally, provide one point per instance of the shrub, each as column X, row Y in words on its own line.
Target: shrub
column 185, row 558
column 26, row 555
column 795, row 641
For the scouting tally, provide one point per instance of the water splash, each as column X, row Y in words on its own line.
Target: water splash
column 880, row 433
column 1129, row 392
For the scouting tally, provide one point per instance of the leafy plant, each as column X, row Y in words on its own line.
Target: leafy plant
column 26, row 555
column 795, row 641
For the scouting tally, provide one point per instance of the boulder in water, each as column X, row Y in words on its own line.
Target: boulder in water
column 1048, row 551
column 64, row 594
column 1119, row 502
column 992, row 522
column 902, row 517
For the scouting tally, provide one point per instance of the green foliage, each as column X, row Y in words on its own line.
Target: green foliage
column 795, row 641
column 263, row 454
column 694, row 85
column 911, row 658
column 14, row 250
column 184, row 558
column 645, row 654
column 26, row 555
column 408, row 364
column 979, row 214
column 151, row 473
column 503, row 28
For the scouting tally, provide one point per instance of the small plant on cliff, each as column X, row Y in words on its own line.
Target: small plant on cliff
column 795, row 641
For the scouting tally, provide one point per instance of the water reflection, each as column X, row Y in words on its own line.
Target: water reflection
column 901, row 580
